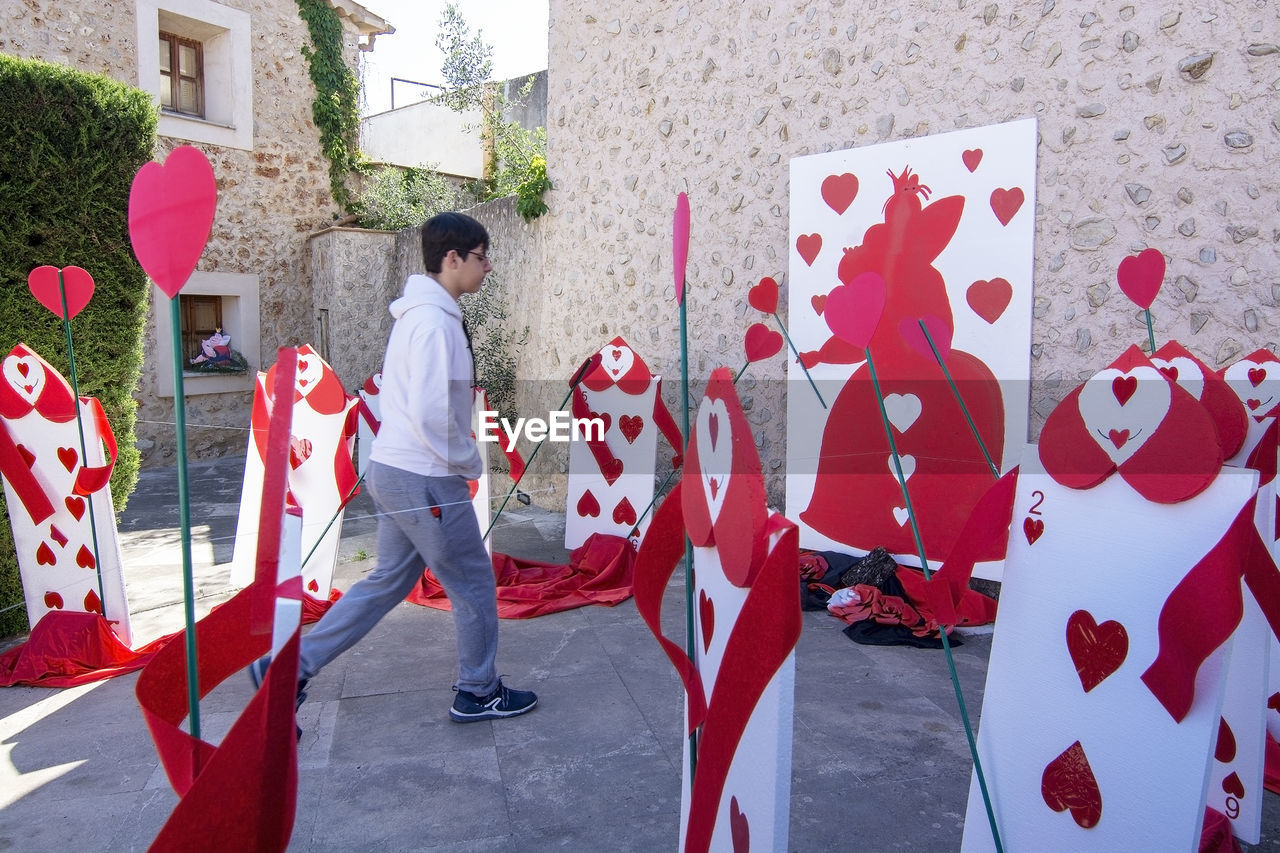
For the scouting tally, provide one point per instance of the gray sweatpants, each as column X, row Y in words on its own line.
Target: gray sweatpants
column 410, row 537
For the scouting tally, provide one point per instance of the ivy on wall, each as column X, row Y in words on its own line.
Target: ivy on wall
column 336, row 110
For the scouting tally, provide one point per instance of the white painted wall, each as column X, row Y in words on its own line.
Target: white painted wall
column 426, row 133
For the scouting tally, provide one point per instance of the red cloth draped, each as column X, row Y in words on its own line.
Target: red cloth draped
column 66, row 649
column 599, row 572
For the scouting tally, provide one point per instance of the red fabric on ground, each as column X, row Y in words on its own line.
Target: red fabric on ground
column 600, row 571
column 974, row 608
column 1271, row 767
column 1216, row 835
column 314, row 608
column 66, row 649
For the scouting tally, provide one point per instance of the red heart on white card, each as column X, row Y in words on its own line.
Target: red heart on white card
column 92, row 604
column 76, row 282
column 171, row 210
column 972, row 157
column 26, row 375
column 1183, row 371
column 1256, row 383
column 988, row 299
column 809, row 245
column 1122, row 410
column 617, row 360
column 739, row 828
column 588, row 506
column 1005, row 203
column 707, row 618
column 310, row 371
column 53, row 601
column 1225, row 749
column 299, row 451
column 1068, row 783
column 624, row 513
column 1033, row 529
column 715, row 453
column 839, row 191
column 764, row 296
column 68, row 457
column 84, row 558
column 75, row 506
column 313, row 586
column 631, row 426
column 58, row 536
column 1232, row 785
column 1096, row 650
column 819, row 303
column 45, row 556
column 1140, row 276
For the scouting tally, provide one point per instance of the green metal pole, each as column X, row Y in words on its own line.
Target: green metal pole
column 184, row 520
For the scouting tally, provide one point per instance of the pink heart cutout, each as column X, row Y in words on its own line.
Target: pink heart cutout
column 171, row 209
column 839, row 191
column 1140, row 276
column 939, row 331
column 78, row 284
column 762, row 342
column 680, row 243
column 854, row 309
column 808, row 245
column 764, row 296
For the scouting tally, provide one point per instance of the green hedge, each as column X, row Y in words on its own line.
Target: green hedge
column 73, row 143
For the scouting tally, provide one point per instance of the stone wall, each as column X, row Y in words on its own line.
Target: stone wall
column 1159, row 126
column 269, row 199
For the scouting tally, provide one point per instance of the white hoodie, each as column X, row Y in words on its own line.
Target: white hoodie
column 426, row 387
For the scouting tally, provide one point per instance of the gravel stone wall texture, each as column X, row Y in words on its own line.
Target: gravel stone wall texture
column 1159, row 125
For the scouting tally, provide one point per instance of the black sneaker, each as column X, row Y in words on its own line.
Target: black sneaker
column 258, row 671
column 503, row 702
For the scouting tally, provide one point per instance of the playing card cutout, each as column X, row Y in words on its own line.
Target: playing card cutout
column 78, row 284
column 1229, row 417
column 809, row 245
column 1096, row 650
column 839, row 191
column 1068, row 784
column 1141, row 276
column 988, row 299
column 171, row 209
column 764, row 296
column 1255, row 379
column 1005, row 203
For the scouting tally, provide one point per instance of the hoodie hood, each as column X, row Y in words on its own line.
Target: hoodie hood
column 424, row 290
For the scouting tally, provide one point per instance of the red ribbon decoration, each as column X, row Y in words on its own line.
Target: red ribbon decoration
column 90, row 479
column 24, row 483
column 609, row 464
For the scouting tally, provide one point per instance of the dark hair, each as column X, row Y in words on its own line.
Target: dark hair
column 450, row 231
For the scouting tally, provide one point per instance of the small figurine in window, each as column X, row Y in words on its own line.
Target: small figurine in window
column 215, row 350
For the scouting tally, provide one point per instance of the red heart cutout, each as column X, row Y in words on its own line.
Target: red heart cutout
column 30, row 458
column 588, row 506
column 1141, row 275
column 839, row 191
column 53, row 601
column 808, row 245
column 1068, row 783
column 819, row 303
column 612, row 470
column 624, row 512
column 706, row 616
column 1123, row 388
column 58, row 536
column 972, row 157
column 1171, row 371
column 1033, row 529
column 854, row 309
column 739, row 828
column 680, row 243
column 762, row 342
column 171, row 209
column 75, row 506
column 1256, row 376
column 299, row 451
column 1119, row 437
column 313, row 586
column 44, row 555
column 764, row 296
column 84, row 558
column 68, row 457
column 630, row 426
column 938, row 330
column 1254, row 403
column 77, row 283
column 1225, row 750
column 1005, row 203
column 1232, row 785
column 92, row 604
column 1096, row 650
column 988, row 299
column 1273, row 702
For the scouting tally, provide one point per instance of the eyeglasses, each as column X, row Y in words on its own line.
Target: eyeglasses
column 484, row 259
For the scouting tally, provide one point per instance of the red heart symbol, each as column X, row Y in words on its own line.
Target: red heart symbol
column 854, row 309
column 1123, row 387
column 92, row 604
column 171, row 209
column 299, row 451
column 818, row 303
column 1256, row 375
column 808, row 245
column 707, row 616
column 739, row 828
column 630, row 426
column 75, row 506
column 53, row 601
column 938, row 330
column 588, row 505
column 1253, row 403
column 1033, row 529
column 972, row 157
column 624, row 512
column 764, row 296
column 77, row 283
column 988, row 299
column 1141, row 275
column 1171, row 371
column 313, row 586
column 1119, row 437
column 1273, row 702
column 713, row 429
column 612, row 470
column 1233, row 785
column 680, row 243
column 30, row 458
column 58, row 536
column 44, row 555
column 84, row 558
column 1068, row 783
column 1096, row 650
column 839, row 191
column 762, row 342
column 604, row 418
column 1225, row 750
column 68, row 457
column 1005, row 203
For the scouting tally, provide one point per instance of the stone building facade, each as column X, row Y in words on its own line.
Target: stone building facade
column 273, row 180
column 1159, row 125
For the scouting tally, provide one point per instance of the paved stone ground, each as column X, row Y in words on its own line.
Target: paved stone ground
column 880, row 759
